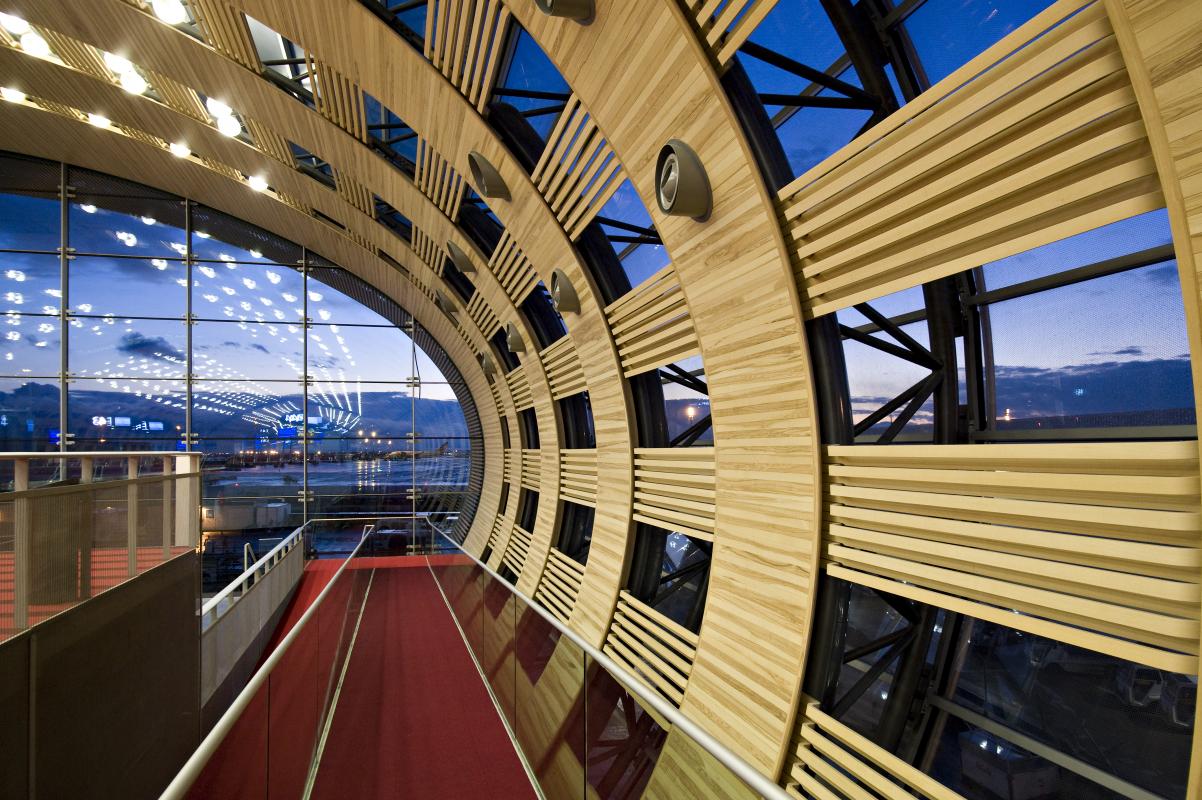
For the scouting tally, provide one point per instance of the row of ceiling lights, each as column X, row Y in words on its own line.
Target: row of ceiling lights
column 130, row 79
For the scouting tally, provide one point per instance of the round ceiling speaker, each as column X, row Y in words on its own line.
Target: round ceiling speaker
column 486, row 364
column 563, row 294
column 513, row 339
column 682, row 188
column 485, row 176
column 460, row 259
column 579, row 10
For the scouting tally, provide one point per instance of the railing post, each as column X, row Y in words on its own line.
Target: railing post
column 85, row 470
column 168, row 514
column 21, row 544
column 187, row 500
column 131, row 518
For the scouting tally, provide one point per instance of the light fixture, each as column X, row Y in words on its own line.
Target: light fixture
column 133, row 83
column 257, row 182
column 149, row 220
column 229, row 126
column 170, row 11
column 179, row 150
column 217, row 108
column 12, row 95
column 99, row 120
column 14, row 24
column 488, row 181
column 35, row 45
column 682, row 187
column 88, row 208
column 118, row 64
column 579, row 10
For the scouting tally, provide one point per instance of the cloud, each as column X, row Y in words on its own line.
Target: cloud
column 1130, row 350
column 137, row 344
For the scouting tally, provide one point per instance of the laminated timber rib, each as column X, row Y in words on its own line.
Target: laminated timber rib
column 1085, row 115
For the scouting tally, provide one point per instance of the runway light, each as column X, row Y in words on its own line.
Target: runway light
column 133, row 83
column 12, row 95
column 35, row 45
column 14, row 24
column 170, row 11
column 99, row 120
column 180, row 150
column 229, row 126
column 257, row 182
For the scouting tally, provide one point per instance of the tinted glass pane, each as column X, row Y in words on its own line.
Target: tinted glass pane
column 130, row 410
column 101, row 285
column 28, row 414
column 113, row 346
column 948, row 33
column 219, row 237
column 639, row 261
column 248, row 292
column 126, row 224
column 1111, row 351
column 30, row 283
column 29, row 193
column 30, row 345
column 242, row 350
column 350, row 353
column 247, row 410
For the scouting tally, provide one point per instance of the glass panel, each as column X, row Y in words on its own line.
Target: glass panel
column 686, row 407
column 122, row 222
column 113, row 346
column 29, row 192
column 247, row 411
column 219, row 237
column 248, row 351
column 875, row 377
column 624, row 741
column 639, row 261
column 30, row 345
column 30, row 283
column 248, row 292
column 101, row 285
column 29, row 414
column 126, row 411
column 529, row 70
column 1060, row 361
column 350, row 353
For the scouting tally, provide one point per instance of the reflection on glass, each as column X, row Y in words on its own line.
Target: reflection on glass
column 248, row 350
column 29, row 345
column 248, row 292
column 247, row 411
column 40, row 228
column 28, row 414
column 120, row 411
column 30, row 283
column 127, row 225
column 222, row 238
column 118, row 347
column 100, row 286
column 339, row 353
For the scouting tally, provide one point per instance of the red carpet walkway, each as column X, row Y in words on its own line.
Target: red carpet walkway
column 414, row 719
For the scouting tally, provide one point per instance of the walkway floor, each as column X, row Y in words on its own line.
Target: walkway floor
column 414, row 718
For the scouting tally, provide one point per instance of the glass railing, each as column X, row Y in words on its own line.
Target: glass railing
column 266, row 742
column 587, row 728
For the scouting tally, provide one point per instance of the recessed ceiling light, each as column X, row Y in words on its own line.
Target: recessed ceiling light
column 133, row 83
column 179, row 150
column 14, row 24
column 118, row 64
column 217, row 108
column 12, row 95
column 99, row 120
column 170, row 11
column 149, row 220
column 257, row 182
column 87, row 208
column 35, row 45
column 230, row 126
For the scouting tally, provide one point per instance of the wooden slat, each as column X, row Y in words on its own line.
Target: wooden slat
column 224, row 29
column 651, row 325
column 438, row 180
column 482, row 314
column 562, row 365
column 464, row 39
column 578, row 476
column 674, row 489
column 512, row 269
column 1098, row 536
column 519, row 388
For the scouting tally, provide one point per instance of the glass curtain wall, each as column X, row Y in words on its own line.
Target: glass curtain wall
column 302, row 385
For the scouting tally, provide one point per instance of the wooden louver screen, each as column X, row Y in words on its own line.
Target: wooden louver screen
column 531, row 468
column 1094, row 544
column 225, row 30
column 560, row 584
column 674, row 489
column 651, row 646
column 519, row 388
column 517, row 549
column 480, row 312
column 578, row 476
column 1037, row 139
column 563, row 368
column 438, row 180
column 338, row 98
column 512, row 269
column 651, row 325
column 464, row 41
column 578, row 171
column 727, row 25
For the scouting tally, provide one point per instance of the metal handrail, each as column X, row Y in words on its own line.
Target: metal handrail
column 751, row 777
column 286, row 542
column 191, row 770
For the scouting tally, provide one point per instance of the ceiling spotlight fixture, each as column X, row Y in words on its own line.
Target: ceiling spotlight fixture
column 149, row 220
column 563, row 294
column 460, row 259
column 118, row 64
column 488, row 181
column 99, row 120
column 170, row 11
column 179, row 150
column 133, row 83
column 35, row 45
column 682, row 187
column 229, row 126
column 217, row 108
column 257, row 182
column 579, row 10
column 12, row 95
column 14, row 24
